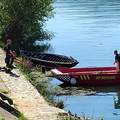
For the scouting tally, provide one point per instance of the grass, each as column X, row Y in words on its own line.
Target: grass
column 42, row 84
column 75, row 117
column 22, row 117
column 5, row 91
column 69, row 116
column 2, row 118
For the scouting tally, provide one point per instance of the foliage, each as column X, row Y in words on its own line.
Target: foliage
column 22, row 117
column 2, row 45
column 70, row 116
column 23, row 21
column 2, row 118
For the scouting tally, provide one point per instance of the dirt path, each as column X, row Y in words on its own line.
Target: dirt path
column 26, row 97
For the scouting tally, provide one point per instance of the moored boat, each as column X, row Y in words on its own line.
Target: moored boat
column 87, row 76
column 49, row 60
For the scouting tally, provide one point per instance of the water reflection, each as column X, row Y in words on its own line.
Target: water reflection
column 117, row 101
column 103, row 101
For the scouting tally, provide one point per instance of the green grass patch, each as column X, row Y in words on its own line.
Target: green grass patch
column 5, row 91
column 2, row 118
column 22, row 117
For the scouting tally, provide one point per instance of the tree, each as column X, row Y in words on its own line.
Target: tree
column 23, row 21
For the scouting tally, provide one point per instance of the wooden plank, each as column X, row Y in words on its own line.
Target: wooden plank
column 4, row 97
column 9, row 108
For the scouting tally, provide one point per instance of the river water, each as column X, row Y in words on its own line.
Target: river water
column 88, row 30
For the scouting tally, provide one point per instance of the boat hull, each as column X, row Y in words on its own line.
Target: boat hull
column 88, row 76
column 50, row 64
column 49, row 60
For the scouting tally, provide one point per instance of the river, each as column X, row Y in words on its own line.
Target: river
column 88, row 30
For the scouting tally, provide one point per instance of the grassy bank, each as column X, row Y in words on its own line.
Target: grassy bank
column 44, row 87
column 42, row 84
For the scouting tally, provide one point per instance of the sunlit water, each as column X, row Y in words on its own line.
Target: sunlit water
column 88, row 30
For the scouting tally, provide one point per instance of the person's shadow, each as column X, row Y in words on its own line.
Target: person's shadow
column 14, row 74
column 8, row 71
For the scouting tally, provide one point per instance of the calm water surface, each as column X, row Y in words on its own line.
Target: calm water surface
column 88, row 30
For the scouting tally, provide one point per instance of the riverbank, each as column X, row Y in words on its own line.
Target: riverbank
column 26, row 98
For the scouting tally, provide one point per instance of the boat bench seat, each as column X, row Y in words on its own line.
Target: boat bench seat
column 57, row 72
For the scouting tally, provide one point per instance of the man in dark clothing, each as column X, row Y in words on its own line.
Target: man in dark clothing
column 117, row 60
column 9, row 54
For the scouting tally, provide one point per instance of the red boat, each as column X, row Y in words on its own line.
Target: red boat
column 88, row 76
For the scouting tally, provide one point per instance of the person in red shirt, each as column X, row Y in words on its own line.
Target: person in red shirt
column 10, row 54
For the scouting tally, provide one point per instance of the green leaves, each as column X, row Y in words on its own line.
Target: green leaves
column 21, row 18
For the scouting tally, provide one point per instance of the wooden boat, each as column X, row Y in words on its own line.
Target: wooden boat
column 87, row 76
column 49, row 60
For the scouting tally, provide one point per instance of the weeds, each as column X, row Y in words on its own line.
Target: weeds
column 22, row 117
column 41, row 83
column 2, row 118
column 5, row 91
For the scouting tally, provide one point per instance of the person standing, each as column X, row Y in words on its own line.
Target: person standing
column 117, row 60
column 10, row 54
